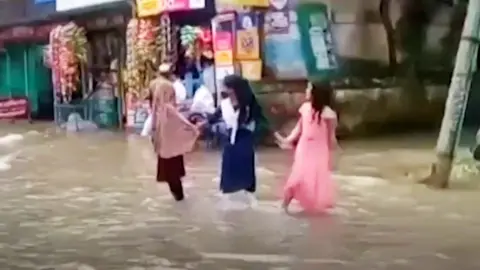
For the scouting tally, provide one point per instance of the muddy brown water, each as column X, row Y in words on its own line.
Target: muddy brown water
column 88, row 201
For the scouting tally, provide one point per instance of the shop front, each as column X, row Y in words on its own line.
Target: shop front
column 177, row 32
column 24, row 32
column 86, row 56
column 268, row 42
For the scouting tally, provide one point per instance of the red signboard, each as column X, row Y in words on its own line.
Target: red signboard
column 34, row 33
column 14, row 108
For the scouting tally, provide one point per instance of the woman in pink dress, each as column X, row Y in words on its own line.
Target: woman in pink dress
column 310, row 181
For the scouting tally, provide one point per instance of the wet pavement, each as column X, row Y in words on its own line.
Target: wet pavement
column 89, row 201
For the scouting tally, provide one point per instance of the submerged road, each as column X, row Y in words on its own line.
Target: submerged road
column 90, row 202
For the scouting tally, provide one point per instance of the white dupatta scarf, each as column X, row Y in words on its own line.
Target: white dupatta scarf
column 230, row 116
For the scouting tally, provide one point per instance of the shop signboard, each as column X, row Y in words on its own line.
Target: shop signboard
column 66, row 5
column 247, row 3
column 27, row 33
column 14, row 108
column 146, row 8
column 104, row 22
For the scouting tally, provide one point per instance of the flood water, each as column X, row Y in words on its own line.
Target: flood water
column 89, row 201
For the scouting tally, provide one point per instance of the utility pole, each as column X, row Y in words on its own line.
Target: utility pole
column 465, row 66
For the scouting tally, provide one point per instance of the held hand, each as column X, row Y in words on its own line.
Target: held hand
column 201, row 124
column 284, row 145
column 279, row 137
column 197, row 131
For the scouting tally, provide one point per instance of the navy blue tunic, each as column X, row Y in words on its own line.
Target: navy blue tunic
column 238, row 164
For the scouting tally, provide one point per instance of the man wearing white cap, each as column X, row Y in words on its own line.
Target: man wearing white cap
column 172, row 134
column 165, row 71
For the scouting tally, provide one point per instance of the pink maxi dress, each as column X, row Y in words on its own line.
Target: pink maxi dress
column 310, row 181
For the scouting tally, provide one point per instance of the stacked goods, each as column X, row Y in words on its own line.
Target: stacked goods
column 53, row 52
column 173, row 50
column 146, row 46
column 165, row 41
column 132, row 72
column 197, row 41
column 206, row 42
column 188, row 38
column 141, row 54
column 67, row 51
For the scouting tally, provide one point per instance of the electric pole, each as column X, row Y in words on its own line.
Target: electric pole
column 465, row 66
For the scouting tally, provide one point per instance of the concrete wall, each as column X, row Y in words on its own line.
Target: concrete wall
column 359, row 33
column 363, row 112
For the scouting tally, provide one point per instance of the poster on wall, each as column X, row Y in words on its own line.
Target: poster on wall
column 317, row 42
column 278, row 17
column 247, row 36
column 223, row 27
column 222, row 43
column 282, row 46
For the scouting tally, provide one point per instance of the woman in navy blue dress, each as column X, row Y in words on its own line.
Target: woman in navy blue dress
column 240, row 111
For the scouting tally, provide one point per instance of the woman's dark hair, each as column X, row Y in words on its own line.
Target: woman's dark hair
column 321, row 97
column 247, row 103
